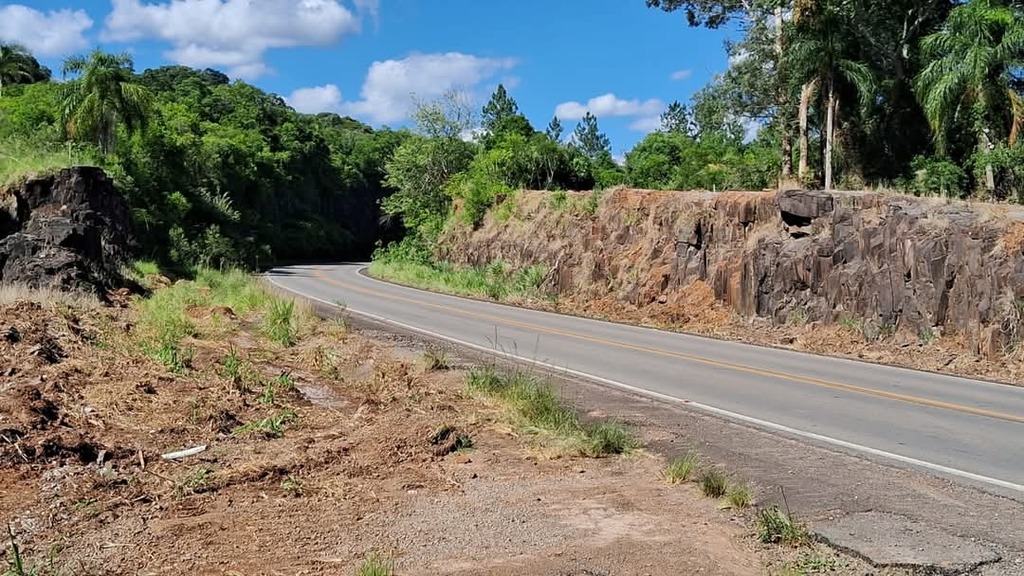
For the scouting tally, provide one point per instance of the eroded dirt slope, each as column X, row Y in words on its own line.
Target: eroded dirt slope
column 315, row 455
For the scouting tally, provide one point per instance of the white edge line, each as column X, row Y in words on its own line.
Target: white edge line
column 658, row 395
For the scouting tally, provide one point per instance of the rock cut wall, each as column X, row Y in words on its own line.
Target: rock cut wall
column 891, row 262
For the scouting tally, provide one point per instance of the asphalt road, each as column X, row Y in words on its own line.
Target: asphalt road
column 966, row 430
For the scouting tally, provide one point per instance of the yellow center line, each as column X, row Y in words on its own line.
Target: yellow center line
column 687, row 357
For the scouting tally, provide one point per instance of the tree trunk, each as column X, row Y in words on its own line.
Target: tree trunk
column 990, row 176
column 830, row 113
column 783, row 101
column 806, row 93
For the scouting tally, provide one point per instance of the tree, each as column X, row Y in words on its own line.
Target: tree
column 590, row 140
column 973, row 79
column 554, row 130
column 676, row 119
column 822, row 49
column 500, row 107
column 15, row 65
column 103, row 96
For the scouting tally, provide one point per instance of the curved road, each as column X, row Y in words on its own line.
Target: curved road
column 968, row 430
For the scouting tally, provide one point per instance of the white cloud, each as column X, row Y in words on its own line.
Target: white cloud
column 680, row 75
column 53, row 33
column 233, row 34
column 316, row 99
column 387, row 93
column 371, row 7
column 646, row 124
column 609, row 105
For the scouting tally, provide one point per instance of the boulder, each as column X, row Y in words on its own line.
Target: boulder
column 69, row 231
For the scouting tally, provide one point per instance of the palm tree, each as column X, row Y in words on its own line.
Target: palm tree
column 821, row 55
column 971, row 76
column 15, row 65
column 101, row 97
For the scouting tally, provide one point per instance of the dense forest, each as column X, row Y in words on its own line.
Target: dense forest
column 919, row 96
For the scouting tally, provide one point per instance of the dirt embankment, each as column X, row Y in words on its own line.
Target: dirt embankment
column 313, row 455
column 918, row 282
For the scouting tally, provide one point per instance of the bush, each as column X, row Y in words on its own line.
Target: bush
column 937, row 177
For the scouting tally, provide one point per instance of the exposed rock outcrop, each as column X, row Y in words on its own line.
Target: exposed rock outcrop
column 68, row 231
column 890, row 262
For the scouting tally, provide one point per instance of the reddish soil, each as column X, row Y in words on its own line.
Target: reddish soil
column 85, row 418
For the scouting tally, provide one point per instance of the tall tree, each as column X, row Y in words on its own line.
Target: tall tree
column 15, row 65
column 974, row 77
column 676, row 119
column 554, row 130
column 823, row 49
column 589, row 139
column 501, row 117
column 103, row 96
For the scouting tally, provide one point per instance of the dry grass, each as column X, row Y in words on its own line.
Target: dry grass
column 11, row 293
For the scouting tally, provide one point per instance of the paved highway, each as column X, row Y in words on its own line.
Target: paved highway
column 964, row 429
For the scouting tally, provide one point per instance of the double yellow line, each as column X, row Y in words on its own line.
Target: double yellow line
column 910, row 399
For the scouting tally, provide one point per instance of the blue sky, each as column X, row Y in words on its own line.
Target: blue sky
column 616, row 58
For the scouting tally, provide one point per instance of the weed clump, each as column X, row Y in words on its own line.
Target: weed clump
column 777, row 527
column 714, row 484
column 681, row 469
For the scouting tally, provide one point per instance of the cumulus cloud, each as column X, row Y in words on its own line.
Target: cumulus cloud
column 52, row 33
column 316, row 99
column 680, row 75
column 609, row 105
column 646, row 124
column 390, row 85
column 232, row 34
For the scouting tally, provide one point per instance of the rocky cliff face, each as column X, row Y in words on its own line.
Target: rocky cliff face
column 68, row 231
column 887, row 262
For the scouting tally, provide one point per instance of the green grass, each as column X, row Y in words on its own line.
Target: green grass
column 814, row 562
column 495, row 281
column 269, row 427
column 164, row 323
column 681, row 469
column 436, row 359
column 20, row 160
column 532, row 405
column 375, row 564
column 739, row 496
column 776, row 527
column 279, row 322
column 714, row 483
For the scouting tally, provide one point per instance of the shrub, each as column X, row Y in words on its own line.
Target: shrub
column 777, row 527
column 714, row 484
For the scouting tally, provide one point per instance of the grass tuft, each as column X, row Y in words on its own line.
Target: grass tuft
column 776, row 527
column 436, row 359
column 738, row 496
column 279, row 322
column 533, row 405
column 270, row 427
column 681, row 469
column 375, row 564
column 714, row 483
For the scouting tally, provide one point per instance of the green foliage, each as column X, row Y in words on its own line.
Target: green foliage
column 269, row 427
column 738, row 496
column 21, row 159
column 375, row 564
column 495, row 281
column 677, row 161
column 589, row 139
column 681, row 469
column 535, row 407
column 279, row 322
column 714, row 483
column 776, row 527
column 937, row 177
